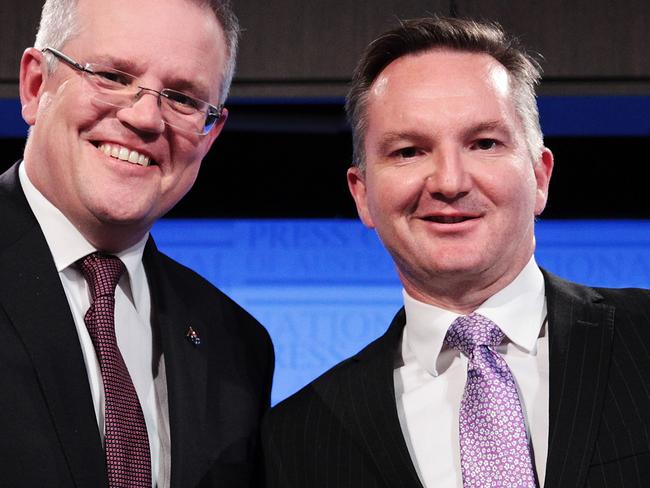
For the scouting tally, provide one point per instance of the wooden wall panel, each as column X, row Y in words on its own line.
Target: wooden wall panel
column 598, row 39
column 19, row 22
column 308, row 48
column 318, row 39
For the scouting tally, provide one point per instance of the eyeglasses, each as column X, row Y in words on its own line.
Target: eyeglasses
column 119, row 89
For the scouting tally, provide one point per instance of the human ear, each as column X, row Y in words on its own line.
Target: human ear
column 543, row 170
column 357, row 186
column 33, row 73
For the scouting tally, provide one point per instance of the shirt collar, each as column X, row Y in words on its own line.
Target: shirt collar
column 518, row 309
column 68, row 245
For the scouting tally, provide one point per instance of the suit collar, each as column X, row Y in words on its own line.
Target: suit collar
column 186, row 371
column 519, row 309
column 370, row 413
column 201, row 414
column 49, row 336
column 580, row 337
column 47, row 332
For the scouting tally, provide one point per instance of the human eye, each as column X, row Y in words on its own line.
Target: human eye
column 182, row 102
column 485, row 144
column 112, row 78
column 407, row 152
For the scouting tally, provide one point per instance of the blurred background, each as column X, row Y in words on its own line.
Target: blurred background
column 270, row 220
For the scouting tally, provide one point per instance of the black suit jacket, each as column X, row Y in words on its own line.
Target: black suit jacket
column 217, row 392
column 342, row 430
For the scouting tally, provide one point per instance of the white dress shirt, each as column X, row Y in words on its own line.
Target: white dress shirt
column 132, row 322
column 430, row 383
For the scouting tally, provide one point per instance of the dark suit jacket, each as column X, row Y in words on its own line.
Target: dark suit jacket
column 217, row 392
column 342, row 431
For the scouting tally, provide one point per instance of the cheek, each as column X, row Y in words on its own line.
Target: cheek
column 44, row 104
column 189, row 176
column 186, row 150
column 516, row 186
column 177, row 183
column 396, row 190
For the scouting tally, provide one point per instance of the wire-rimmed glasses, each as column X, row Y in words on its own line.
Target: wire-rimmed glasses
column 119, row 89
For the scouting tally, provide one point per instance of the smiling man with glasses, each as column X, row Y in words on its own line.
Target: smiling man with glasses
column 120, row 367
column 119, row 89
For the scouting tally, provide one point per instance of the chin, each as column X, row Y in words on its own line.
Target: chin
column 125, row 217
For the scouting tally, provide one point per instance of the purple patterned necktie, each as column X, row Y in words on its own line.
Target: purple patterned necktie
column 494, row 450
column 128, row 461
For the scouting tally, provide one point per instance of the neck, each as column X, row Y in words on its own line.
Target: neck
column 114, row 239
column 458, row 292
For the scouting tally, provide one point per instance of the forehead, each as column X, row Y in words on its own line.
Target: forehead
column 171, row 37
column 452, row 82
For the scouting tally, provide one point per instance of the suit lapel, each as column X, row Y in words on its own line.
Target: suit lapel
column 186, row 373
column 369, row 411
column 580, row 336
column 35, row 303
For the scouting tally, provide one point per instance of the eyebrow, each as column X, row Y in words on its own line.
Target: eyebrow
column 390, row 138
column 492, row 125
column 175, row 83
column 418, row 137
column 187, row 86
column 125, row 65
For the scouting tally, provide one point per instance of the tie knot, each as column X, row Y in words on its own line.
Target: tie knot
column 102, row 272
column 469, row 331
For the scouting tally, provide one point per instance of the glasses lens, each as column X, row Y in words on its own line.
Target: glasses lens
column 211, row 119
column 183, row 112
column 108, row 86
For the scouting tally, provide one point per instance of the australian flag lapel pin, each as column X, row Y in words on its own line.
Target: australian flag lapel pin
column 193, row 337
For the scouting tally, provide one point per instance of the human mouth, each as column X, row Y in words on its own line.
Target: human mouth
column 125, row 154
column 448, row 219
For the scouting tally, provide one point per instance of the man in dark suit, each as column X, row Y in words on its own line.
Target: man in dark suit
column 124, row 99
column 495, row 373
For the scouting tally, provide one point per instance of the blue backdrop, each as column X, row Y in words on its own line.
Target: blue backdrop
column 622, row 115
column 325, row 288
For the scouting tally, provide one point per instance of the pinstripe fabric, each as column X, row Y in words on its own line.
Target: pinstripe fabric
column 600, row 386
column 342, row 430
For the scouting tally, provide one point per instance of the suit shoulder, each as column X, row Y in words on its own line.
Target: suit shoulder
column 611, row 296
column 626, row 296
column 207, row 299
column 630, row 307
column 344, row 380
column 631, row 311
column 334, row 388
column 326, row 386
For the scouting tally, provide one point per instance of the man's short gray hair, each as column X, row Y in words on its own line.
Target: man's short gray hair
column 420, row 35
column 59, row 24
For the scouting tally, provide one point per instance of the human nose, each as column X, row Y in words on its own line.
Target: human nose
column 144, row 113
column 448, row 179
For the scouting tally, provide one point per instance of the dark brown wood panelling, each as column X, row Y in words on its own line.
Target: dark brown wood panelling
column 598, row 39
column 308, row 48
column 19, row 23
column 320, row 40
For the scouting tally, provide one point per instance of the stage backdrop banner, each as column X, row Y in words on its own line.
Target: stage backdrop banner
column 326, row 288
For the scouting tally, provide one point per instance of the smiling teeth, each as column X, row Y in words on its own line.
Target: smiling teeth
column 124, row 154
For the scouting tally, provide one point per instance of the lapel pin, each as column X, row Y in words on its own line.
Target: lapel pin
column 193, row 337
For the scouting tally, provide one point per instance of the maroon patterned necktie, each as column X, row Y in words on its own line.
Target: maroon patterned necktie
column 128, row 461
column 494, row 450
